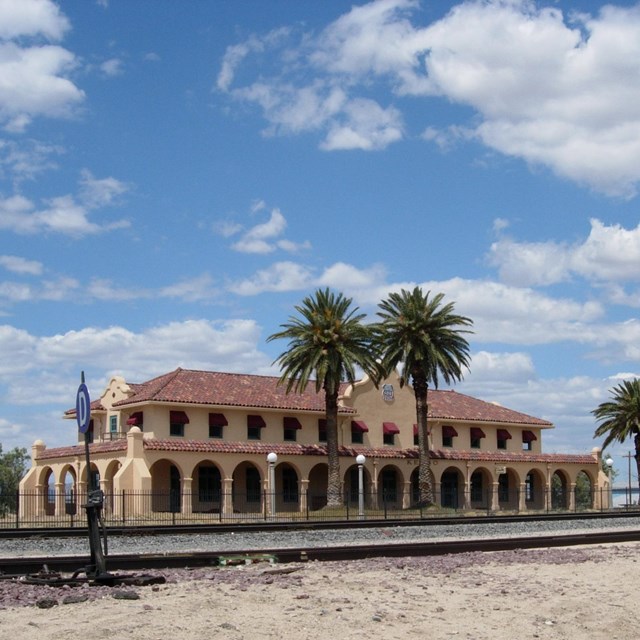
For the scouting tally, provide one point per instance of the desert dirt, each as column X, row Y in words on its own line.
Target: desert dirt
column 586, row 593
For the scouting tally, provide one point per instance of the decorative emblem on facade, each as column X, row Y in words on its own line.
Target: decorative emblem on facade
column 387, row 392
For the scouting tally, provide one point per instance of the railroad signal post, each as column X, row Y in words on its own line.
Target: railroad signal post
column 97, row 568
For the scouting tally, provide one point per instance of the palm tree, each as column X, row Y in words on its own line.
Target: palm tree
column 620, row 417
column 327, row 341
column 425, row 336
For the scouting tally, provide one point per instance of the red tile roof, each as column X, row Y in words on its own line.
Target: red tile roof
column 78, row 449
column 452, row 405
column 224, row 389
column 243, row 390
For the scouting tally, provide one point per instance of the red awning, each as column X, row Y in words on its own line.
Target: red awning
column 390, row 428
column 528, row 436
column 178, row 417
column 291, row 423
column 503, row 434
column 217, row 420
column 359, row 426
column 477, row 432
column 415, row 429
column 135, row 419
column 449, row 432
column 256, row 421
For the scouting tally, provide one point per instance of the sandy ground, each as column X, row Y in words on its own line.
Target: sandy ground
column 574, row 594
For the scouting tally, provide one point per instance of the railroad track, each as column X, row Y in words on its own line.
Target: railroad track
column 19, row 566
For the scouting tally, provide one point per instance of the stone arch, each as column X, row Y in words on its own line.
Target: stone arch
column 49, row 490
column 584, row 491
column 390, row 487
column 247, row 488
column 480, row 488
column 166, row 486
column 508, row 490
column 206, row 487
column 69, row 484
column 287, row 487
column 560, row 487
column 318, row 479
column 452, row 488
column 534, row 490
column 351, row 485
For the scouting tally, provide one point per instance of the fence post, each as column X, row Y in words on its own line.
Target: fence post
column 17, row 508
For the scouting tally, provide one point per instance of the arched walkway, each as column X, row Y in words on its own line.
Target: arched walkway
column 247, row 489
column 452, row 488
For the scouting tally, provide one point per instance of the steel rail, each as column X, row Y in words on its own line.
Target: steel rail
column 310, row 525
column 12, row 567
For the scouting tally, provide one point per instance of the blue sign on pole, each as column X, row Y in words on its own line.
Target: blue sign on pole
column 83, row 408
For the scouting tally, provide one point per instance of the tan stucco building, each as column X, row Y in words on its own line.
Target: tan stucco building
column 197, row 442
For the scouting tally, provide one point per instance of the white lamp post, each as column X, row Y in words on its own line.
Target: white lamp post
column 272, row 458
column 609, row 463
column 360, row 460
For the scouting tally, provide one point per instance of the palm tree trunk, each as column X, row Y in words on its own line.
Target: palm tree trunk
column 334, row 494
column 425, row 483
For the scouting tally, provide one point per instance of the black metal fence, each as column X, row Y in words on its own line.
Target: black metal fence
column 131, row 508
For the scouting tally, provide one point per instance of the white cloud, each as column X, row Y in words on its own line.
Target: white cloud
column 610, row 254
column 17, row 264
column 281, row 276
column 262, row 238
column 63, row 214
column 25, row 159
column 33, row 84
column 31, row 18
column 112, row 67
column 554, row 90
column 38, row 369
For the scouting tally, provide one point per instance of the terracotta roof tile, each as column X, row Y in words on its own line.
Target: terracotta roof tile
column 224, row 389
column 78, row 449
column 243, row 390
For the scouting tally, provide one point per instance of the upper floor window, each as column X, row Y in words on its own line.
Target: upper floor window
column 113, row 424
column 217, row 423
column 290, row 428
column 177, row 420
column 476, row 435
column 502, row 437
column 358, row 429
column 135, row 419
column 528, row 438
column 448, row 434
column 389, row 432
column 255, row 425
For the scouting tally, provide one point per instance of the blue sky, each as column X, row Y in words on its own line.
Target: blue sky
column 175, row 177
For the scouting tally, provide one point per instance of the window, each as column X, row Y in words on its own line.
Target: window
column 113, row 424
column 291, row 426
column 358, row 429
column 502, row 437
column 416, row 437
column 476, row 436
column 322, row 430
column 217, row 423
column 176, row 430
column 216, row 431
column 255, row 425
column 527, row 440
column 389, row 431
column 135, row 420
column 448, row 434
column 476, row 487
column 177, row 420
